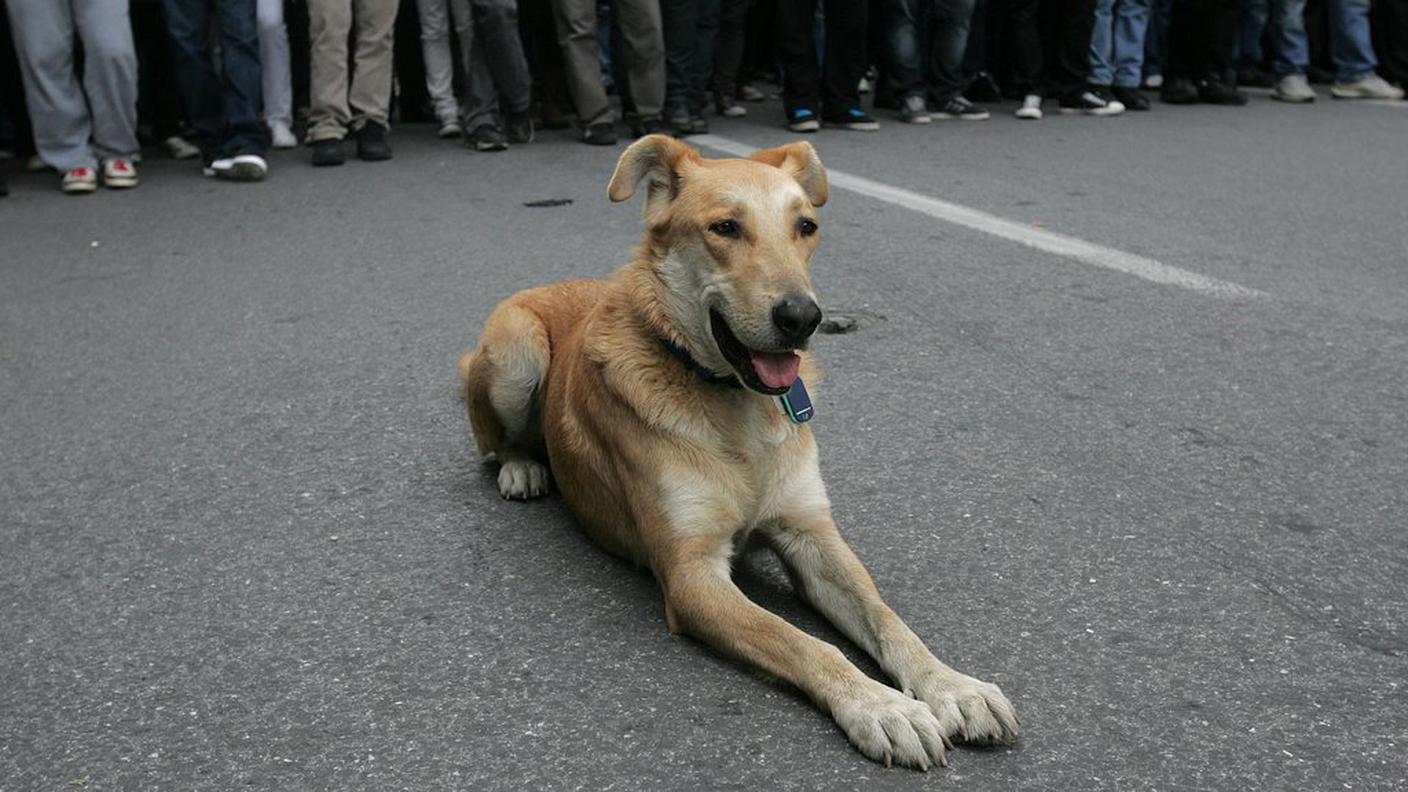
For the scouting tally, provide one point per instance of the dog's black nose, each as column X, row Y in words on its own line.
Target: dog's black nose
column 796, row 317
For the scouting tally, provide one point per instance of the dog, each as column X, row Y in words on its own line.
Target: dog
column 653, row 397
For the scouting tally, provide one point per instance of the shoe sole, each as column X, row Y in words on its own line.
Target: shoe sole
column 917, row 119
column 1291, row 99
column 78, row 189
column 1102, row 112
column 449, row 133
column 1342, row 94
column 242, row 172
column 952, row 117
column 121, row 183
column 805, row 126
column 853, row 127
column 734, row 112
column 491, row 147
column 1029, row 116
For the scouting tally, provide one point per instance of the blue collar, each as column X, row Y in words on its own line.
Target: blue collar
column 705, row 374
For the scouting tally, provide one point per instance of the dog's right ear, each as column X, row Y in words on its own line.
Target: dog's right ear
column 654, row 157
column 801, row 162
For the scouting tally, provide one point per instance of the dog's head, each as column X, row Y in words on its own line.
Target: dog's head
column 731, row 242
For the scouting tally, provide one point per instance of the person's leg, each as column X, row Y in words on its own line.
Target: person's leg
column 329, row 24
column 706, row 32
column 482, row 101
column 241, row 78
column 1389, row 24
column 679, row 20
column 274, row 63
column 496, row 34
column 1024, row 44
column 1131, row 24
column 188, row 21
column 1350, row 44
column 1251, row 24
column 845, row 60
column 796, row 50
column 949, row 24
column 439, row 63
column 109, row 75
column 904, row 50
column 1068, row 66
column 639, row 22
column 43, row 31
column 728, row 46
column 1155, row 40
column 370, row 96
column 576, row 34
column 1102, row 44
column 1288, row 33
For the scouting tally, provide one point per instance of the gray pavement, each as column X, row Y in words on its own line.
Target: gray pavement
column 245, row 542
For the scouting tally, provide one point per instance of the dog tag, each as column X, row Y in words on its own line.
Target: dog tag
column 796, row 403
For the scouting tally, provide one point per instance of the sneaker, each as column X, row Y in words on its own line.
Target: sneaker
column 519, row 127
column 371, row 142
column 727, row 107
column 1252, row 77
column 79, row 181
column 1370, row 86
column 962, row 109
column 855, row 119
column 180, row 148
column 602, row 133
column 697, row 125
column 329, row 152
column 1154, row 81
column 35, row 164
column 281, row 137
column 486, row 137
column 1179, row 90
column 1220, row 93
column 1131, row 98
column 118, row 173
column 983, row 88
column 1030, row 109
column 914, row 111
column 449, row 128
column 679, row 123
column 864, row 86
column 1293, row 88
column 1091, row 102
column 748, row 93
column 652, row 125
column 803, row 120
column 240, row 168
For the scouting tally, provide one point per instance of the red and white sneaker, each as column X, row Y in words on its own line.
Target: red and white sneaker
column 79, row 181
column 119, row 173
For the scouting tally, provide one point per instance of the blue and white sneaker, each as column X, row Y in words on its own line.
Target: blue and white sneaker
column 854, row 119
column 803, row 120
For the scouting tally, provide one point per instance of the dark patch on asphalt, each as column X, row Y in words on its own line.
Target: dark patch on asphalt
column 547, row 203
column 1297, row 523
column 839, row 321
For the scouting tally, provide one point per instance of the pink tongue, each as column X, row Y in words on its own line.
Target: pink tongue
column 776, row 369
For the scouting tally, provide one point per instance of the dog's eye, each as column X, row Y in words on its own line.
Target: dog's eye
column 806, row 227
column 726, row 228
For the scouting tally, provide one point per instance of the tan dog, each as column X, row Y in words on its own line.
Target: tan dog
column 631, row 388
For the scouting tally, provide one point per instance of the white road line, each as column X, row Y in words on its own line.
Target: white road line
column 1021, row 233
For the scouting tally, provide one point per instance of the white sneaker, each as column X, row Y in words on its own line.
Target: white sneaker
column 118, row 173
column 1293, row 88
column 1030, row 109
column 1370, row 86
column 1154, row 81
column 242, row 167
column 913, row 110
column 281, row 137
column 450, row 128
column 79, row 181
column 180, row 148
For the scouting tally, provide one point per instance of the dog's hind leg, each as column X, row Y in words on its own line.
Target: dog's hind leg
column 502, row 388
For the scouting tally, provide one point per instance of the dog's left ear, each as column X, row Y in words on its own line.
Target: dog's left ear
column 801, row 162
column 654, row 157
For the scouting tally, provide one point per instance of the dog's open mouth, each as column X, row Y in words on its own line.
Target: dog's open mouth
column 766, row 372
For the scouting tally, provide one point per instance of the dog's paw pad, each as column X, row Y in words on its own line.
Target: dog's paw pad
column 521, row 479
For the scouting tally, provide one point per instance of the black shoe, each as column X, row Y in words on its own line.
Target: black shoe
column 728, row 107
column 328, row 152
column 602, row 133
column 983, row 89
column 698, row 126
column 485, row 137
column 1255, row 78
column 1178, row 90
column 678, row 123
column 641, row 127
column 1220, row 93
column 520, row 127
column 1131, row 98
column 854, row 119
column 371, row 142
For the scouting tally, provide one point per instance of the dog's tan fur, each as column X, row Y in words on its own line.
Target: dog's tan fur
column 674, row 472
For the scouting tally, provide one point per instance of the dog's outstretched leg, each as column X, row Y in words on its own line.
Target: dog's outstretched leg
column 501, row 385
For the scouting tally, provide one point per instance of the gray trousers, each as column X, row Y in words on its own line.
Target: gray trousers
column 644, row 56
column 76, row 125
column 495, row 64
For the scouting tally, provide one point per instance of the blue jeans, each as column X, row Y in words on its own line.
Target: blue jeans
column 1292, row 55
column 223, row 110
column 927, row 40
column 1117, row 42
column 1350, row 46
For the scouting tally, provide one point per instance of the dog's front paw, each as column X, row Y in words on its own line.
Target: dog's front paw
column 521, row 479
column 888, row 726
column 974, row 710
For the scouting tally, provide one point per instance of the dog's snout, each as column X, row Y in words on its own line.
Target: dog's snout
column 796, row 316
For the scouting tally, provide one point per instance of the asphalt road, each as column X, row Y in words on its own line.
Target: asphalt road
column 245, row 542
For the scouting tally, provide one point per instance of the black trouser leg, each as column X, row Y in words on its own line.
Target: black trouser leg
column 1024, row 56
column 845, row 61
column 728, row 45
column 796, row 49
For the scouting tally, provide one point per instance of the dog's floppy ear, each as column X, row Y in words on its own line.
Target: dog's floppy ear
column 654, row 157
column 800, row 161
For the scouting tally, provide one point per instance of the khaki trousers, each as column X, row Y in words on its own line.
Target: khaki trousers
column 336, row 109
column 645, row 56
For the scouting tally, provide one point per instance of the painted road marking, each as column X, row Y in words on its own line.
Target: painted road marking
column 1021, row 233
